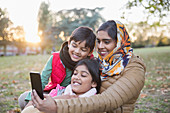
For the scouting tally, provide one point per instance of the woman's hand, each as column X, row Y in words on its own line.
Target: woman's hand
column 29, row 104
column 48, row 105
column 65, row 97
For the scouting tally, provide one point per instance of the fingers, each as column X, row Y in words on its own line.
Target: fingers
column 46, row 95
column 35, row 98
column 34, row 102
column 48, row 98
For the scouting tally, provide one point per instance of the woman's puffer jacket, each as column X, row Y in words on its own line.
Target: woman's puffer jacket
column 118, row 94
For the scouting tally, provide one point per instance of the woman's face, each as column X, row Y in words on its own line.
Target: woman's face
column 81, row 80
column 105, row 44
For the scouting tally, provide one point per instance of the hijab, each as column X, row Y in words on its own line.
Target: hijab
column 114, row 63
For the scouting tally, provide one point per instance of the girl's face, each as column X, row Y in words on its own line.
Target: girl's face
column 77, row 50
column 105, row 44
column 81, row 80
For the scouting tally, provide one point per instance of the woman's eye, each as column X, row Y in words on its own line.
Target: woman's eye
column 107, row 42
column 98, row 41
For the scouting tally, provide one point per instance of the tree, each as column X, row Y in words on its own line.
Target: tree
column 58, row 26
column 67, row 20
column 44, row 21
column 158, row 8
column 17, row 35
column 4, row 25
column 143, row 34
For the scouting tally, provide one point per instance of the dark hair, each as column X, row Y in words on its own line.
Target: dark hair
column 93, row 67
column 84, row 33
column 110, row 27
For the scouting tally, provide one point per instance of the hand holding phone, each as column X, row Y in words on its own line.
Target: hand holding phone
column 36, row 83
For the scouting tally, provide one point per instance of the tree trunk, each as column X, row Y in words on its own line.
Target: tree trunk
column 4, row 49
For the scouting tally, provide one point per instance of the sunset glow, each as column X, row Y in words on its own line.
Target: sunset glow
column 32, row 38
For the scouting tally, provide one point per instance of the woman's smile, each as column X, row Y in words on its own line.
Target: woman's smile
column 105, row 44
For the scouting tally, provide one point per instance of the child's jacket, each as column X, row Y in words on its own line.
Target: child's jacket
column 58, row 72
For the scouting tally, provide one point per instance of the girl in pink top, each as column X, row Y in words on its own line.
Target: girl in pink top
column 85, row 80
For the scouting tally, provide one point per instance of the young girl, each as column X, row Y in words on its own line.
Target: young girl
column 85, row 82
column 60, row 65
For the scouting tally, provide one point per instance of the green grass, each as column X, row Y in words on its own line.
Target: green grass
column 154, row 98
column 14, row 77
column 156, row 89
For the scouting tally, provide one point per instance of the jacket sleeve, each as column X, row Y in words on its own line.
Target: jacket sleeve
column 46, row 72
column 128, row 86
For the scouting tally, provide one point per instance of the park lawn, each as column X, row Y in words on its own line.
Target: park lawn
column 14, row 77
column 155, row 96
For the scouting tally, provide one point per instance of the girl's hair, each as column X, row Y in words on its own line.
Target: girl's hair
column 84, row 33
column 93, row 67
column 110, row 27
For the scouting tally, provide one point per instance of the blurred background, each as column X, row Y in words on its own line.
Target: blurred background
column 40, row 26
column 30, row 30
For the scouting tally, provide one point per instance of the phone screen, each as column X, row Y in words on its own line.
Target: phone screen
column 36, row 83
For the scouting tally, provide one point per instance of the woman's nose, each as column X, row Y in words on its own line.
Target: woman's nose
column 100, row 45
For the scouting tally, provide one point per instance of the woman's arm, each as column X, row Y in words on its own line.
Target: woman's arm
column 48, row 105
column 123, row 90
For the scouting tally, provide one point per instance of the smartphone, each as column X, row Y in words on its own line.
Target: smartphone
column 36, row 83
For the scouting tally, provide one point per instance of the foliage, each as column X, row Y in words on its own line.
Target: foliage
column 4, row 25
column 158, row 8
column 17, row 35
column 65, row 21
column 68, row 20
column 57, row 27
column 10, row 35
column 144, row 35
column 43, row 24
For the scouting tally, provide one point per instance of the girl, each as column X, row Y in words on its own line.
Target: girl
column 85, row 82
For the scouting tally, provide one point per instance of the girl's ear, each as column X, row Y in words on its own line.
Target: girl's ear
column 94, row 84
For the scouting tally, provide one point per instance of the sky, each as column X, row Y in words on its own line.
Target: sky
column 24, row 12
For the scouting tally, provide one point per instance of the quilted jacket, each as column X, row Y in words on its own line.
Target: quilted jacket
column 118, row 93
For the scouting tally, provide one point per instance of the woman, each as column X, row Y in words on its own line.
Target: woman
column 123, row 74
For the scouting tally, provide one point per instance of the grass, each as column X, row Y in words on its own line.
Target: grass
column 14, row 77
column 155, row 95
column 154, row 98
